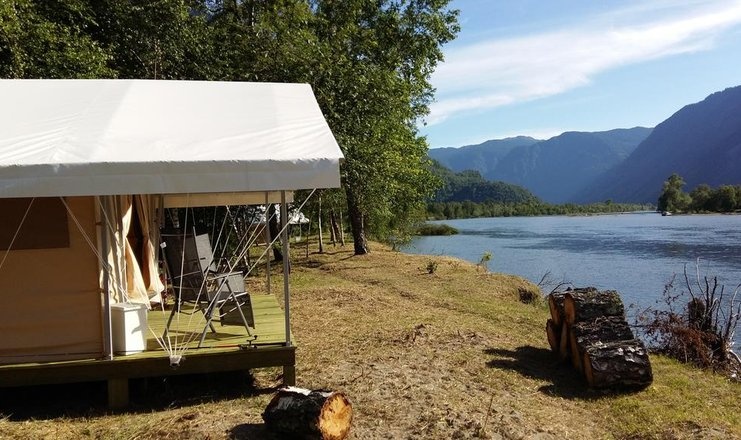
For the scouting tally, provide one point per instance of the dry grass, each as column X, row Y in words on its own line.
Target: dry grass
column 451, row 354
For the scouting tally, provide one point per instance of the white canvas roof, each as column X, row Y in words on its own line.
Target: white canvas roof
column 104, row 137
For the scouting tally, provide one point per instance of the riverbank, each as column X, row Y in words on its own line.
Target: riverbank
column 452, row 354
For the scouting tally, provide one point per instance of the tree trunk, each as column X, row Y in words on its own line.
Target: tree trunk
column 332, row 234
column 589, row 303
column 335, row 227
column 299, row 413
column 554, row 335
column 603, row 329
column 357, row 225
column 555, row 304
column 274, row 231
column 617, row 364
column 342, row 231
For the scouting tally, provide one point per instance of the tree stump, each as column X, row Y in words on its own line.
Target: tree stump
column 589, row 303
column 554, row 335
column 555, row 304
column 603, row 329
column 617, row 364
column 305, row 414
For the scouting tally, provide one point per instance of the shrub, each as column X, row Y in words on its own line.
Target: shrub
column 436, row 229
column 697, row 325
column 431, row 266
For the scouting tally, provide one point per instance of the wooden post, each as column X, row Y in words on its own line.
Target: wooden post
column 118, row 393
column 289, row 375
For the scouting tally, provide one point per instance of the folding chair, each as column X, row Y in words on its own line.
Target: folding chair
column 195, row 281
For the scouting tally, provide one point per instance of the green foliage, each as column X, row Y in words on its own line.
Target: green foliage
column 467, row 209
column 436, row 229
column 470, row 186
column 672, row 198
column 725, row 198
column 484, row 261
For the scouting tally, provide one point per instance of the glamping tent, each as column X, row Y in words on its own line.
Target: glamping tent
column 82, row 161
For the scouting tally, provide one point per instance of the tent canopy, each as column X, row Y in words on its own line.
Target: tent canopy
column 108, row 137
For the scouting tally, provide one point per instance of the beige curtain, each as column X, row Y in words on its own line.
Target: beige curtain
column 127, row 282
column 150, row 273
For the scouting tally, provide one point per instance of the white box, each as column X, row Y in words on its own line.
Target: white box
column 129, row 328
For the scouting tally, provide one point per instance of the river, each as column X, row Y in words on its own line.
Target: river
column 635, row 254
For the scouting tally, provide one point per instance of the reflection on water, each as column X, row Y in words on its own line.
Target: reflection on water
column 636, row 254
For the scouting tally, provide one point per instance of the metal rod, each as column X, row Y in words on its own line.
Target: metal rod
column 268, row 240
column 107, row 325
column 286, row 264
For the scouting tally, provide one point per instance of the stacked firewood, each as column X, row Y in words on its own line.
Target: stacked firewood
column 588, row 327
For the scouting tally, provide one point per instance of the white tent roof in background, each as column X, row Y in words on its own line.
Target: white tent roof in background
column 103, row 137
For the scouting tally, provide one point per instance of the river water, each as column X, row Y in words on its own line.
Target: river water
column 635, row 254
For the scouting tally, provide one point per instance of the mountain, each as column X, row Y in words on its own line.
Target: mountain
column 482, row 157
column 469, row 185
column 556, row 169
column 701, row 142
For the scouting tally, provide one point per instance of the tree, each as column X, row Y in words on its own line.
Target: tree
column 672, row 198
column 701, row 196
column 373, row 85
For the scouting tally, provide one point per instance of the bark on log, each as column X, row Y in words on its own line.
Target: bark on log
column 300, row 413
column 555, row 303
column 617, row 364
column 603, row 329
column 554, row 335
column 587, row 304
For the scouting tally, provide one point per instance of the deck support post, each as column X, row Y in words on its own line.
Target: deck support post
column 118, row 393
column 289, row 375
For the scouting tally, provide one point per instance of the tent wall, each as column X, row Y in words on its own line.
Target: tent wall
column 50, row 298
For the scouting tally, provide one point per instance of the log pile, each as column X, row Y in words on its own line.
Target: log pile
column 305, row 414
column 588, row 327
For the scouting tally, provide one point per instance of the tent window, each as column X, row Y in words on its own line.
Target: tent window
column 45, row 226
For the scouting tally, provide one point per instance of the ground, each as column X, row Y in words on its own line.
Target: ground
column 449, row 354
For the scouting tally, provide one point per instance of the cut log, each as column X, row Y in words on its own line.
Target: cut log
column 555, row 303
column 603, row 329
column 554, row 335
column 563, row 344
column 300, row 413
column 617, row 364
column 587, row 304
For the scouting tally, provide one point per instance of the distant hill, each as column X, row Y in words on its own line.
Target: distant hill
column 469, row 185
column 482, row 157
column 701, row 142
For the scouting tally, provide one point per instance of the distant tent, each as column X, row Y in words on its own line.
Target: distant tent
column 86, row 169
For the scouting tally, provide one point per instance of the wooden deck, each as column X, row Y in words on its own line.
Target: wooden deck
column 229, row 349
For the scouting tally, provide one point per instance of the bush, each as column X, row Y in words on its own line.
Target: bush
column 436, row 229
column 431, row 266
column 700, row 331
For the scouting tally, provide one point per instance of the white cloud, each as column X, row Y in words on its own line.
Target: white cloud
column 504, row 71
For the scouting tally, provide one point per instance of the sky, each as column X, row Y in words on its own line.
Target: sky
column 543, row 67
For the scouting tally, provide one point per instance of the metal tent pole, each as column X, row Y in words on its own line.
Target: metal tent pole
column 268, row 240
column 104, row 245
column 286, row 264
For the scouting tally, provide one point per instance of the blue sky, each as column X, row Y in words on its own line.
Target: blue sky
column 542, row 67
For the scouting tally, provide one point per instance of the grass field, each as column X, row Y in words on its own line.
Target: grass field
column 452, row 354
